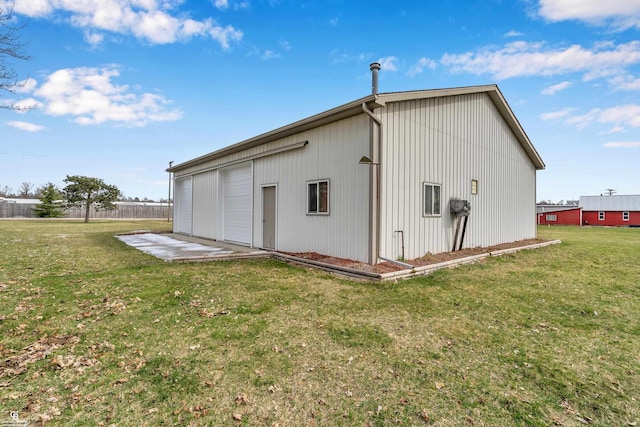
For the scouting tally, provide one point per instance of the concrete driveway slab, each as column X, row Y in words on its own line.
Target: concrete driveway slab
column 170, row 248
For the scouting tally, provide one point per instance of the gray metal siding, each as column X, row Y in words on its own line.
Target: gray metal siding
column 205, row 206
column 332, row 153
column 450, row 141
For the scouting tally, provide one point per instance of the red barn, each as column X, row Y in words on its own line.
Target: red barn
column 559, row 215
column 611, row 210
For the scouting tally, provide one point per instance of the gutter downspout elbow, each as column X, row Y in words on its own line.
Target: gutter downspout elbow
column 400, row 263
column 373, row 116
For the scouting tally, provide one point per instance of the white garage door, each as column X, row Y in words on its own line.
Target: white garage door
column 183, row 206
column 237, row 188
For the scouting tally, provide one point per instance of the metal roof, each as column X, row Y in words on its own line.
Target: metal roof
column 554, row 208
column 375, row 101
column 610, row 203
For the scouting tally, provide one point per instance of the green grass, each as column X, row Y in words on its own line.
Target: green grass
column 95, row 333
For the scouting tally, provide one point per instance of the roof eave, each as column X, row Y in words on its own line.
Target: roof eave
column 342, row 112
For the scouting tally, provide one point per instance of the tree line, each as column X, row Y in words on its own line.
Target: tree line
column 79, row 191
column 29, row 190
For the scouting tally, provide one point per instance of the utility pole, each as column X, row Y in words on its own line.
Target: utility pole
column 610, row 191
column 169, row 198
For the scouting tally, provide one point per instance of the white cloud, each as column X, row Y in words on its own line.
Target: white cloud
column 24, row 105
column 513, row 33
column 285, row 45
column 553, row 89
column 221, row 4
column 90, row 97
column 420, row 66
column 25, row 126
column 339, row 56
column 554, row 115
column 93, row 38
column 520, row 59
column 623, row 115
column 622, row 144
column 388, row 63
column 25, row 86
column 619, row 117
column 154, row 21
column 625, row 82
column 269, row 54
column 620, row 13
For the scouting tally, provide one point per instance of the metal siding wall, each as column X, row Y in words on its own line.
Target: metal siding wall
column 183, row 206
column 205, row 194
column 450, row 141
column 333, row 153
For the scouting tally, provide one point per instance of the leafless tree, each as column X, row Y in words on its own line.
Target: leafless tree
column 11, row 48
column 25, row 189
column 6, row 191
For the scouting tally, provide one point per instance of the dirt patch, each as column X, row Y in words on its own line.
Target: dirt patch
column 428, row 259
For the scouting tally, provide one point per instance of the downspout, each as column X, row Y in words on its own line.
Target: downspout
column 374, row 182
column 376, row 179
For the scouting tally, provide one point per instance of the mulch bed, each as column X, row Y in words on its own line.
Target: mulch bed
column 428, row 259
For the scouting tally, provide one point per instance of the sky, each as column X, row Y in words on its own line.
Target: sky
column 123, row 87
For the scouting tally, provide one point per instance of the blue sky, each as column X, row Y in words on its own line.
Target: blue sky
column 122, row 87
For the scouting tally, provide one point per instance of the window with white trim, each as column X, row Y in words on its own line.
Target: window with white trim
column 552, row 217
column 600, row 216
column 625, row 216
column 318, row 197
column 431, row 195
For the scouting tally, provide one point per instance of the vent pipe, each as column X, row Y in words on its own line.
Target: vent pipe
column 374, row 67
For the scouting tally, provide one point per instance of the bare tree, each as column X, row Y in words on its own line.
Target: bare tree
column 6, row 191
column 25, row 189
column 11, row 47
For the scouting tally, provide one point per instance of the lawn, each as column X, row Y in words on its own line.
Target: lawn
column 95, row 333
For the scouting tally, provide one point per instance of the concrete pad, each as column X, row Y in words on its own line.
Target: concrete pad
column 170, row 248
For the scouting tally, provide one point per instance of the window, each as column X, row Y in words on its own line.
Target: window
column 431, row 199
column 600, row 216
column 625, row 216
column 552, row 217
column 318, row 197
column 474, row 186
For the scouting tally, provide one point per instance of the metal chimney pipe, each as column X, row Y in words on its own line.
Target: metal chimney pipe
column 374, row 67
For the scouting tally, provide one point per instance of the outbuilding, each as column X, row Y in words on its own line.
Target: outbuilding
column 559, row 215
column 375, row 179
column 614, row 210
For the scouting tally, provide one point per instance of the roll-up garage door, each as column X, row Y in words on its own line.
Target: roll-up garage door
column 237, row 187
column 183, row 206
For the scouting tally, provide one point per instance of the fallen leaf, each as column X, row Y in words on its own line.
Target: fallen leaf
column 237, row 417
column 242, row 399
column 439, row 385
